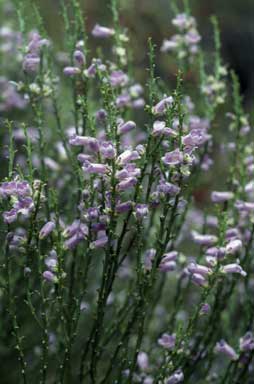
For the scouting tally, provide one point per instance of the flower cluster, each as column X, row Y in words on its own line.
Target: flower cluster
column 19, row 194
column 125, row 244
column 186, row 42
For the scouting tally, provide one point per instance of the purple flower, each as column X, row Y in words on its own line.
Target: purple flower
column 167, row 266
column 107, row 150
column 223, row 347
column 76, row 232
column 192, row 37
column 198, row 269
column 36, row 44
column 92, row 213
column 160, row 129
column 86, row 141
column 138, row 103
column 205, row 309
column 142, row 361
column 206, row 240
column 247, row 342
column 232, row 234
column 102, row 32
column 176, row 378
column 79, row 58
column 149, row 257
column 195, row 138
column 233, row 268
column 141, row 211
column 244, row 206
column 167, row 341
column 24, row 205
column 173, row 158
column 51, row 263
column 71, row 71
column 95, row 168
column 47, row 229
column 234, row 246
column 91, row 70
column 183, row 21
column 118, row 78
column 123, row 100
column 170, row 45
column 15, row 188
column 72, row 229
column 130, row 170
column 168, row 263
column 31, row 63
column 168, row 188
column 101, row 241
column 127, row 184
column 221, row 197
column 124, row 207
column 199, row 279
column 73, row 241
column 218, row 252
column 126, row 127
column 84, row 158
column 162, row 106
column 127, row 156
column 50, row 277
column 101, row 115
column 10, row 216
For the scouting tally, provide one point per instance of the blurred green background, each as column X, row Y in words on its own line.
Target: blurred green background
column 146, row 18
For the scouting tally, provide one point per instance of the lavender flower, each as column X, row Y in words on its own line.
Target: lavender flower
column 102, row 32
column 124, row 207
column 128, row 156
column 79, row 58
column 10, row 216
column 31, row 63
column 50, row 277
column 107, row 150
column 205, row 309
column 118, row 78
column 71, row 71
column 126, row 127
column 168, row 262
column 224, row 348
column 198, row 279
column 127, row 184
column 101, row 241
column 47, row 229
column 233, row 268
column 163, row 105
column 167, row 341
column 198, row 269
column 221, row 197
column 234, row 246
column 176, row 378
column 143, row 361
column 141, row 211
column 95, row 168
column 247, row 342
column 173, row 158
column 206, row 240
